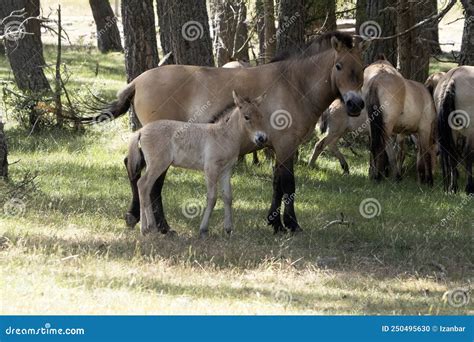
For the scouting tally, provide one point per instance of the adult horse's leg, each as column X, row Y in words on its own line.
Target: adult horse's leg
column 273, row 217
column 157, row 203
column 288, row 186
column 470, row 183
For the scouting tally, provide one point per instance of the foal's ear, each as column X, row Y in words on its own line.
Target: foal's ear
column 238, row 100
column 336, row 44
column 258, row 101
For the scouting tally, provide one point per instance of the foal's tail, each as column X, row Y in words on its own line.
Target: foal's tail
column 447, row 146
column 377, row 129
column 113, row 109
column 135, row 161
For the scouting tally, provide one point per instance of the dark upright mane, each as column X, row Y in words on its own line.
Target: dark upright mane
column 315, row 46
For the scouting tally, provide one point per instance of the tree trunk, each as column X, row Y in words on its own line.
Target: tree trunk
column 165, row 29
column 25, row 51
column 291, row 25
column 413, row 47
column 434, row 31
column 270, row 31
column 190, row 39
column 2, row 48
column 381, row 19
column 321, row 16
column 108, row 36
column 361, row 14
column 467, row 47
column 3, row 153
column 141, row 52
column 230, row 31
column 259, row 11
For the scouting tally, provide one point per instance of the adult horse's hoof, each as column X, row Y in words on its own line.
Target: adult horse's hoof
column 470, row 189
column 171, row 233
column 131, row 220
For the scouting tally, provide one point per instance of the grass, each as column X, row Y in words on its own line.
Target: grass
column 68, row 251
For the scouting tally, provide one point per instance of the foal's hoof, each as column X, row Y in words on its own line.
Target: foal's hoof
column 144, row 230
column 203, row 234
column 131, row 220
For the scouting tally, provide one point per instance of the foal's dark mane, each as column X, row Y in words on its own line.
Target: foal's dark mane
column 315, row 46
column 226, row 112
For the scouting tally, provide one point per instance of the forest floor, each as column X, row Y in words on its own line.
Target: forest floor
column 64, row 248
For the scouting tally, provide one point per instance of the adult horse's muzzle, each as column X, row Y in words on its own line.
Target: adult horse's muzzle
column 354, row 103
column 260, row 139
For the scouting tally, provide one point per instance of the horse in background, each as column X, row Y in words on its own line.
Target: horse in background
column 396, row 105
column 454, row 101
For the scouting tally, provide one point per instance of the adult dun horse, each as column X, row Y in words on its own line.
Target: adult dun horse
column 453, row 96
column 299, row 88
column 396, row 105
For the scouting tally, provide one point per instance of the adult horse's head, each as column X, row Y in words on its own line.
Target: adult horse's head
column 347, row 74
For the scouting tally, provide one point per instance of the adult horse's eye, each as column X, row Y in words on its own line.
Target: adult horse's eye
column 338, row 66
column 246, row 117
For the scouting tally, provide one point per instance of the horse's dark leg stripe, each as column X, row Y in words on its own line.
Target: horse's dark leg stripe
column 287, row 180
column 273, row 216
column 157, row 202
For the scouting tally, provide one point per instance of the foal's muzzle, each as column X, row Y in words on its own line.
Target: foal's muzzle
column 354, row 103
column 260, row 138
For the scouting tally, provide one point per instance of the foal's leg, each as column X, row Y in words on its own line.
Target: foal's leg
column 318, row 148
column 211, row 182
column 335, row 150
column 134, row 169
column 227, row 197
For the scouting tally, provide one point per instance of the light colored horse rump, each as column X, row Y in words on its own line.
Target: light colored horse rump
column 213, row 148
column 454, row 102
column 396, row 105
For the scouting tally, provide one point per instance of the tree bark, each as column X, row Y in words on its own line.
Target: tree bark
column 189, row 36
column 108, row 36
column 381, row 20
column 270, row 30
column 434, row 30
column 3, row 153
column 165, row 29
column 467, row 47
column 291, row 25
column 259, row 10
column 361, row 13
column 321, row 16
column 414, row 49
column 230, row 31
column 25, row 51
column 141, row 52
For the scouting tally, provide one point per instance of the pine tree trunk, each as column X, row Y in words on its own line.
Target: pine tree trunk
column 467, row 47
column 381, row 19
column 3, row 153
column 108, row 36
column 25, row 51
column 291, row 25
column 190, row 39
column 413, row 47
column 270, row 30
column 165, row 29
column 259, row 11
column 230, row 31
column 141, row 52
column 322, row 16
column 361, row 13
column 2, row 48
column 434, row 31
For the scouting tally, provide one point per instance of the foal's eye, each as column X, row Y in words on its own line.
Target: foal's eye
column 246, row 117
column 338, row 66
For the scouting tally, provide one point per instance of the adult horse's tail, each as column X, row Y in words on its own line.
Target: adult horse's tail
column 114, row 109
column 377, row 130
column 447, row 146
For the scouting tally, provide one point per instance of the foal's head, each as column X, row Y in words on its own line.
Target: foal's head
column 251, row 118
column 347, row 73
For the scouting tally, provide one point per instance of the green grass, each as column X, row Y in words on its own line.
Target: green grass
column 69, row 252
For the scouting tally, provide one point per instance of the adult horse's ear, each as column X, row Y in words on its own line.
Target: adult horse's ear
column 258, row 101
column 238, row 100
column 364, row 45
column 336, row 44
